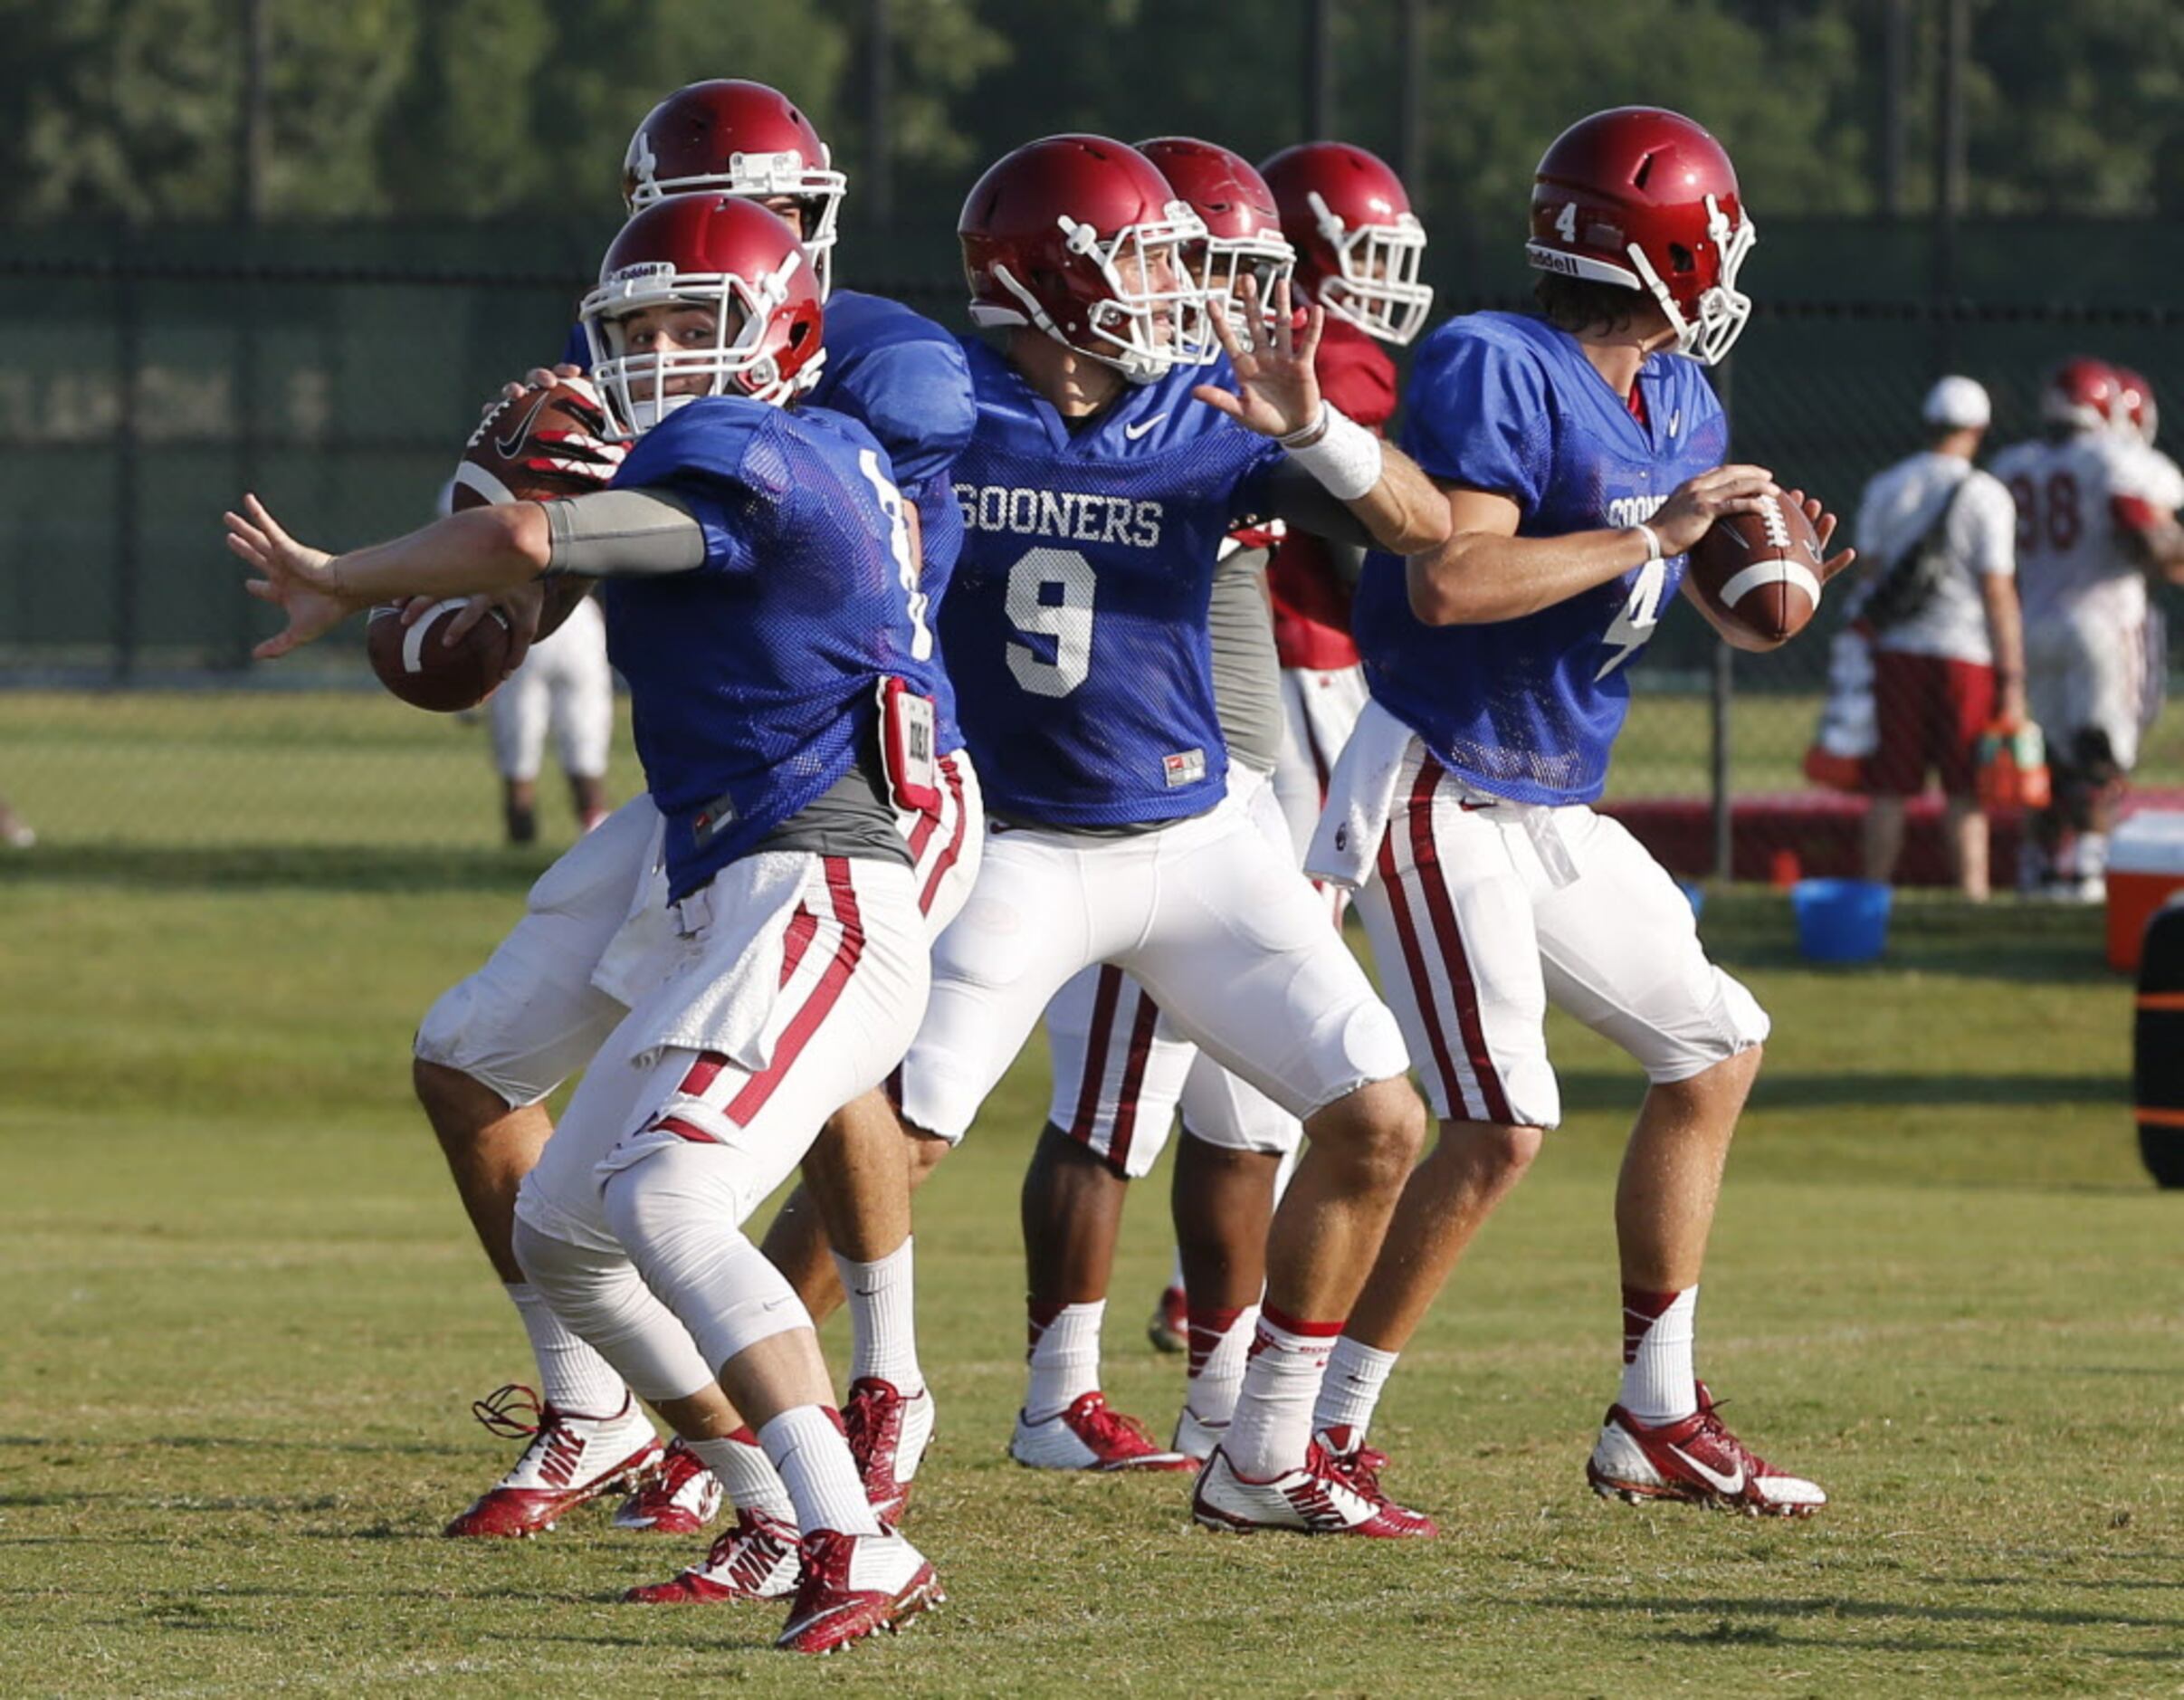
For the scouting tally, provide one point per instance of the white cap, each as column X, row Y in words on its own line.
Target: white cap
column 1958, row 403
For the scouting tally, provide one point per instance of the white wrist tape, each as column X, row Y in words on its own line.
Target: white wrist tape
column 1341, row 453
column 1653, row 541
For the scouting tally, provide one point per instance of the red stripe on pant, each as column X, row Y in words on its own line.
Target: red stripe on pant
column 1095, row 1053
column 1421, row 978
column 1133, row 1080
column 947, row 858
column 833, row 978
column 1427, row 855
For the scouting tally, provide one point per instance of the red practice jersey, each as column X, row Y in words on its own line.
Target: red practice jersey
column 1311, row 603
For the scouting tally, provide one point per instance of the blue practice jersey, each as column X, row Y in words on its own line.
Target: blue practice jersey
column 902, row 377
column 1076, row 633
column 1529, row 708
column 753, row 680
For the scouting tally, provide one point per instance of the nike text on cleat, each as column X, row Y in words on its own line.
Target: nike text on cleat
column 1694, row 1460
column 888, row 1435
column 1090, row 1437
column 1315, row 1499
column 1169, row 1327
column 571, row 1460
column 757, row 1559
column 853, row 1585
column 681, row 1499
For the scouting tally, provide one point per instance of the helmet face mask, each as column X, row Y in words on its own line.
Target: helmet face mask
column 1376, row 286
column 1081, row 238
column 730, row 137
column 1244, row 226
column 2083, row 395
column 765, row 311
column 1359, row 247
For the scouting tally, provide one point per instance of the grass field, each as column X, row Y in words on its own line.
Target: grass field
column 244, row 1317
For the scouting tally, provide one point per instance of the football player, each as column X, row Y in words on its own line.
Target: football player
column 2091, row 526
column 1581, row 455
column 1120, row 1069
column 764, row 605
column 1096, row 489
column 493, row 1047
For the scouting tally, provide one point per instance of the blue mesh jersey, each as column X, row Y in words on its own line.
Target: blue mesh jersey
column 1076, row 633
column 1529, row 708
column 753, row 679
column 902, row 377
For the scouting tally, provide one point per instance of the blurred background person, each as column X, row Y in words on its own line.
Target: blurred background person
column 1948, row 651
column 564, row 685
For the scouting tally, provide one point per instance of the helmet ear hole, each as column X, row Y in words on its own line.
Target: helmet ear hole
column 1681, row 258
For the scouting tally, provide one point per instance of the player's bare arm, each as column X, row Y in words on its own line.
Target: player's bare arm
column 1277, row 394
column 1738, row 638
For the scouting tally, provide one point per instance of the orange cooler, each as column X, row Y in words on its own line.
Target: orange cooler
column 2145, row 870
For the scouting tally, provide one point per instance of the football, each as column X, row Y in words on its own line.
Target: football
column 532, row 447
column 419, row 665
column 1761, row 572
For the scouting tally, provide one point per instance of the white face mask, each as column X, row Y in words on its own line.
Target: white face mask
column 1378, row 290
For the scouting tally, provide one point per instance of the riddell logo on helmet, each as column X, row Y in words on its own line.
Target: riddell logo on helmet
column 1553, row 260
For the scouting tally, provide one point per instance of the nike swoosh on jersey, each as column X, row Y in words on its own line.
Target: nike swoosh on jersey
column 1133, row 432
column 1720, row 1484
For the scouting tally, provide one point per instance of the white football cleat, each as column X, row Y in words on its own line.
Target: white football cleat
column 757, row 1559
column 1088, row 1435
column 1195, row 1437
column 681, row 1499
column 888, row 1435
column 1316, row 1499
column 571, row 1460
column 853, row 1585
column 1694, row 1460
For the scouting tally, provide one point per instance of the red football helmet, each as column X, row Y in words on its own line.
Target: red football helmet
column 1358, row 244
column 714, row 251
column 1083, row 237
column 2084, row 394
column 2136, row 409
column 1647, row 199
column 1242, row 226
column 730, row 137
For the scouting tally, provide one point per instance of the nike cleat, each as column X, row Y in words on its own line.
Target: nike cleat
column 1694, row 1460
column 1315, row 1499
column 1196, row 1438
column 853, row 1586
column 888, row 1435
column 1169, row 1327
column 680, row 1499
column 571, row 1460
column 757, row 1559
column 1088, row 1435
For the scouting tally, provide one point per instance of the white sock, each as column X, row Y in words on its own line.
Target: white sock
column 1355, row 1375
column 1216, row 1363
column 1065, row 1357
column 882, row 1330
column 572, row 1377
column 1659, row 1384
column 747, row 1474
column 1273, row 1424
column 1175, row 1275
column 807, row 1447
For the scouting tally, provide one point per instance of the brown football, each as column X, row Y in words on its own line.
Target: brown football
column 419, row 665
column 536, row 446
column 1761, row 572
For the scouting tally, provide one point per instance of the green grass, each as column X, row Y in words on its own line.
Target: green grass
column 318, row 770
column 244, row 1315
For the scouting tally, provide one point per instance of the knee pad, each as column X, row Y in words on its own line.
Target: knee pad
column 604, row 1301
column 675, row 1212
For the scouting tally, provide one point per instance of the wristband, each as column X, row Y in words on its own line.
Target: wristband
column 1653, row 542
column 1341, row 453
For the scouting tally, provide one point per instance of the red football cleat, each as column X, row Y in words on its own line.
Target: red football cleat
column 1169, row 1327
column 571, row 1458
column 1694, row 1460
column 680, row 1499
column 853, row 1585
column 1088, row 1435
column 755, row 1560
column 888, row 1435
column 1315, row 1499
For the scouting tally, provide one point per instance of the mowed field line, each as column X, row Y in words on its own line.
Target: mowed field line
column 243, row 1319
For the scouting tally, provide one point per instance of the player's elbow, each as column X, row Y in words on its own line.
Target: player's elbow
column 1441, row 592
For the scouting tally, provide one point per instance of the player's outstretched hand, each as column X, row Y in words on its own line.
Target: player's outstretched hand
column 1277, row 391
column 1693, row 506
column 295, row 577
column 1824, row 523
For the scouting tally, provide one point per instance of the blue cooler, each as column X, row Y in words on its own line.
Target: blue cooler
column 1841, row 921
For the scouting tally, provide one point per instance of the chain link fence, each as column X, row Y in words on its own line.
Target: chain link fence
column 154, row 379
